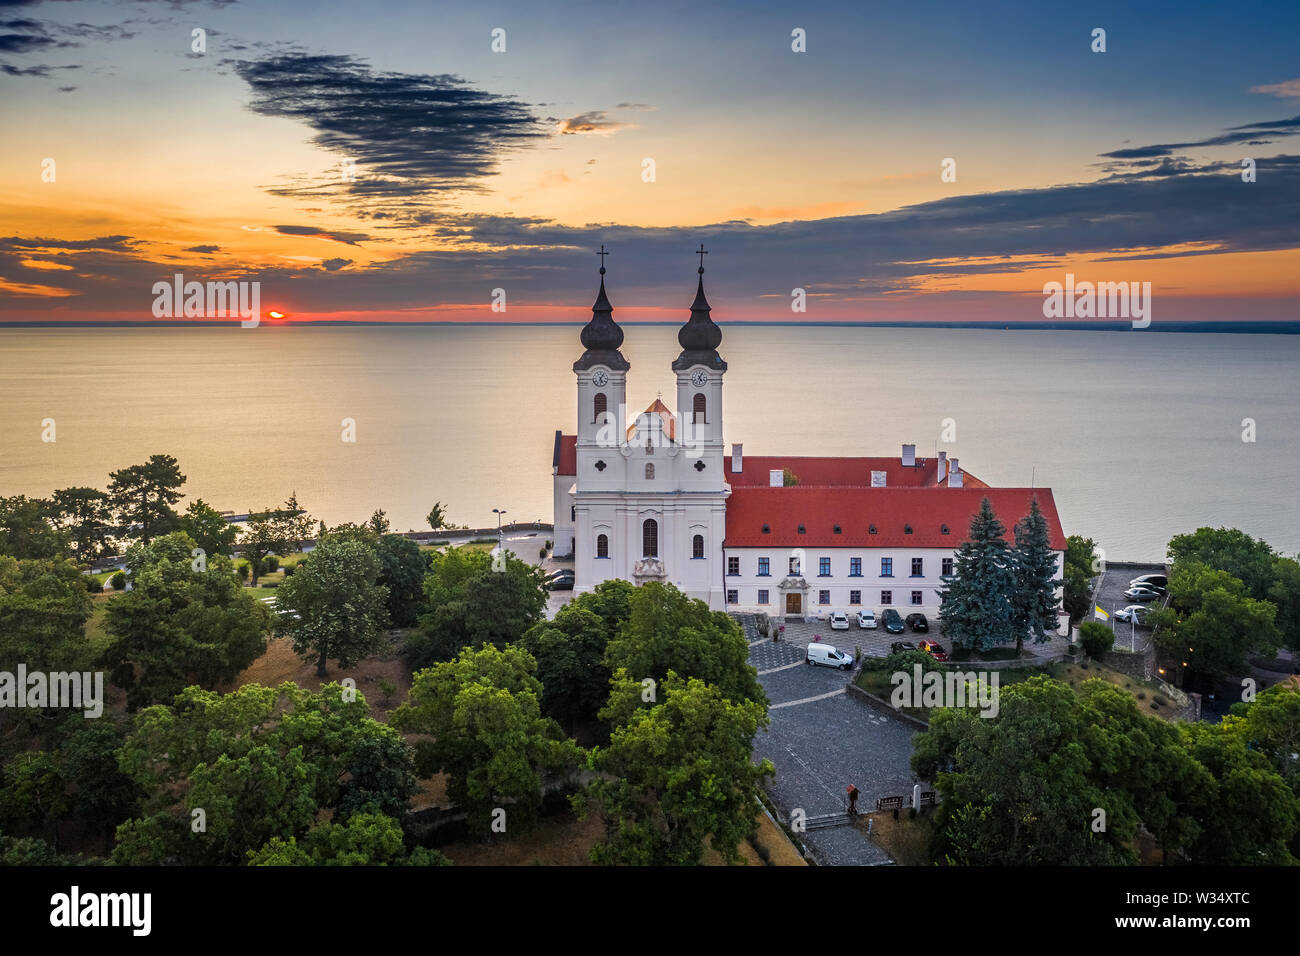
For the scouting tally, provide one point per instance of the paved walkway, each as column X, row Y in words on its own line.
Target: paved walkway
column 820, row 740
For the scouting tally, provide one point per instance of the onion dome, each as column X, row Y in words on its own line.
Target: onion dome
column 602, row 337
column 700, row 337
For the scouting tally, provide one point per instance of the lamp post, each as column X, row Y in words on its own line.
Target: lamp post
column 499, row 512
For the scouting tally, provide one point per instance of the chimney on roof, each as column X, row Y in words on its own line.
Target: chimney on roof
column 737, row 459
column 954, row 474
column 909, row 456
column 943, row 466
column 776, row 478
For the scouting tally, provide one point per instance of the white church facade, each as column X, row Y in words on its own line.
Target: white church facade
column 658, row 499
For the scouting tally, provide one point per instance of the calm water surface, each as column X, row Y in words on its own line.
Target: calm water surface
column 1138, row 434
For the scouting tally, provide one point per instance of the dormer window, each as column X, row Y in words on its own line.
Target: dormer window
column 837, row 530
column 767, row 529
column 943, row 529
column 871, row 529
column 801, row 529
column 907, row 529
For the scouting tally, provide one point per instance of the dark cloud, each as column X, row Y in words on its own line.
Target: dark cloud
column 207, row 250
column 27, row 43
column 851, row 258
column 315, row 232
column 409, row 134
column 112, row 243
column 1250, row 133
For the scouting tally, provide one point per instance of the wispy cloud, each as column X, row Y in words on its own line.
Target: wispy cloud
column 1287, row 88
column 595, row 121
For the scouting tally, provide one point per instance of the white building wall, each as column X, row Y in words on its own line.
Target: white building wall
column 840, row 583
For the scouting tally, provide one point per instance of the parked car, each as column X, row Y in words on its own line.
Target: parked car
column 1139, row 614
column 827, row 656
column 561, row 580
column 866, row 619
column 897, row 646
column 839, row 621
column 1159, row 581
column 1141, row 594
column 918, row 623
column 893, row 623
column 934, row 649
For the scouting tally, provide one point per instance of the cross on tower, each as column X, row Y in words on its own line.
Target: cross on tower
column 702, row 252
column 603, row 254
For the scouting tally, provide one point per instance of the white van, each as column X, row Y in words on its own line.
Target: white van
column 828, row 656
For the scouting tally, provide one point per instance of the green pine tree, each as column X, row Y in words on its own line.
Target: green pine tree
column 1034, row 561
column 976, row 608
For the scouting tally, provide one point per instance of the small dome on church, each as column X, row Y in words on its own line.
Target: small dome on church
column 602, row 332
column 699, row 333
column 700, row 336
column 602, row 337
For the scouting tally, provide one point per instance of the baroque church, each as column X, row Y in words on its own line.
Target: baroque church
column 656, row 498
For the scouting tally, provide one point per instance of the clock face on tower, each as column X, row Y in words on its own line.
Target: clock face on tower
column 699, row 377
column 599, row 378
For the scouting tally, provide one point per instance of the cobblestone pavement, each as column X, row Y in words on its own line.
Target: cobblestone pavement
column 820, row 740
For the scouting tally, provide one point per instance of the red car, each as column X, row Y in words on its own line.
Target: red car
column 934, row 649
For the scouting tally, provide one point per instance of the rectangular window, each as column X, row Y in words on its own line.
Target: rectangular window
column 794, row 566
column 733, row 565
column 855, row 567
column 916, row 597
column 886, row 597
column 918, row 567
column 823, row 597
column 886, row 567
column 733, row 597
column 764, row 568
column 947, row 567
column 762, row 595
column 855, row 597
column 824, row 567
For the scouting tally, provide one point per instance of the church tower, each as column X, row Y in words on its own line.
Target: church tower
column 602, row 397
column 699, row 370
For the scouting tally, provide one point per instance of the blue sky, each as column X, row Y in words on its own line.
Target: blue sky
column 818, row 169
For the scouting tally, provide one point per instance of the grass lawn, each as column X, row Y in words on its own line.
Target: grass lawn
column 1144, row 693
column 906, row 840
column 564, row 840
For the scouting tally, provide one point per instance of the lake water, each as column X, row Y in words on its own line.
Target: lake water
column 1138, row 434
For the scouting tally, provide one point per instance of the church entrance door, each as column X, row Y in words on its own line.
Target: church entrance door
column 794, row 604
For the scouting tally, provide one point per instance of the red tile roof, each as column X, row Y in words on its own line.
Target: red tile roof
column 565, row 458
column 842, row 471
column 657, row 407
column 855, row 509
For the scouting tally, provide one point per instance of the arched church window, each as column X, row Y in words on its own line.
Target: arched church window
column 650, row 538
column 598, row 406
column 699, row 408
column 602, row 546
column 697, row 546
column 649, row 472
